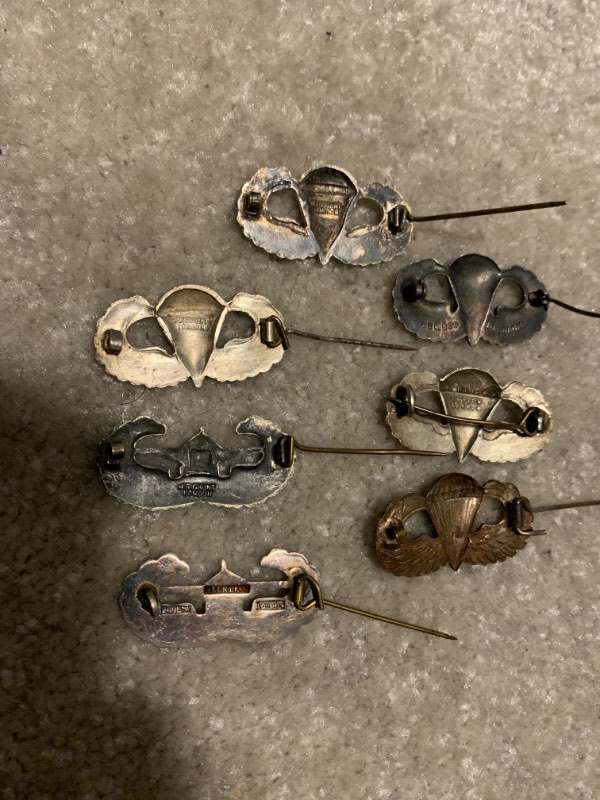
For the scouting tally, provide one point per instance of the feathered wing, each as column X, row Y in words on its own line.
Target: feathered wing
column 493, row 543
column 401, row 553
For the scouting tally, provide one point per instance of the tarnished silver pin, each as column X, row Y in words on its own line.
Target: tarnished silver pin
column 190, row 319
column 164, row 604
column 142, row 473
column 469, row 412
column 326, row 199
column 473, row 298
column 469, row 523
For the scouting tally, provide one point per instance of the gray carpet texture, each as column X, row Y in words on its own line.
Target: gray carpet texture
column 126, row 132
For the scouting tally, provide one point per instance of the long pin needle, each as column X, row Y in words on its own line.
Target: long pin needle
column 484, row 212
column 565, row 506
column 345, row 340
column 362, row 451
column 390, row 620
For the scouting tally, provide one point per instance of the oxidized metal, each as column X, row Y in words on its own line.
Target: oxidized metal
column 167, row 607
column 471, row 309
column 191, row 318
column 164, row 604
column 326, row 198
column 146, row 475
column 459, row 536
column 468, row 412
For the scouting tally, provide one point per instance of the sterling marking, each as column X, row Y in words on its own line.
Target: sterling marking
column 468, row 412
column 163, row 604
column 138, row 471
column 189, row 320
column 325, row 201
column 472, row 305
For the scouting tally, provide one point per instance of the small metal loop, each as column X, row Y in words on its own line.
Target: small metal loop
column 301, row 584
column 397, row 216
column 111, row 453
column 515, row 519
column 539, row 299
column 273, row 333
column 403, row 400
column 252, row 205
column 284, row 451
column 112, row 342
column 535, row 421
column 413, row 290
column 147, row 596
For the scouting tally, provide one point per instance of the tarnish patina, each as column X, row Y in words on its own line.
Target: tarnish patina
column 165, row 604
column 139, row 471
column 326, row 197
column 469, row 412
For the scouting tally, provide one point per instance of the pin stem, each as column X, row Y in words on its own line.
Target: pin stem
column 389, row 620
column 482, row 423
column 366, row 451
column 481, row 212
column 583, row 311
column 565, row 506
column 345, row 340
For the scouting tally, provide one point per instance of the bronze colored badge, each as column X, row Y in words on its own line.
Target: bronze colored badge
column 467, row 524
column 457, row 536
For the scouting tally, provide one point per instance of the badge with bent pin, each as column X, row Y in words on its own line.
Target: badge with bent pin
column 165, row 605
column 468, row 412
column 190, row 319
column 135, row 468
column 458, row 509
column 468, row 300
column 325, row 201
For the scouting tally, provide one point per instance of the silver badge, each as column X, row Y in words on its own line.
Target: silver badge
column 139, row 471
column 463, row 300
column 327, row 221
column 191, row 318
column 326, row 198
column 165, row 605
column 469, row 412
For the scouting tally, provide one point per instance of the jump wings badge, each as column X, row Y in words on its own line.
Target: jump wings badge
column 190, row 320
column 468, row 412
column 325, row 226
column 458, row 537
column 467, row 303
column 469, row 524
column 326, row 197
column 470, row 299
column 164, row 605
